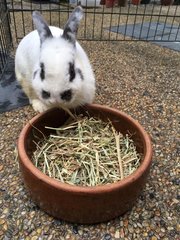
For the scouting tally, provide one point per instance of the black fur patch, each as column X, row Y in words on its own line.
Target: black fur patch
column 34, row 74
column 72, row 73
column 80, row 73
column 42, row 73
column 66, row 95
column 45, row 94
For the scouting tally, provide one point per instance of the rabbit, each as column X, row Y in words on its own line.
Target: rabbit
column 52, row 67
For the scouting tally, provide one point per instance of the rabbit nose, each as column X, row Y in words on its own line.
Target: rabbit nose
column 52, row 101
column 66, row 95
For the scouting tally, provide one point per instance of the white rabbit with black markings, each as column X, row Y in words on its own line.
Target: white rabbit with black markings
column 52, row 67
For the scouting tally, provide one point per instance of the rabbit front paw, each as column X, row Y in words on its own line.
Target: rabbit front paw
column 38, row 106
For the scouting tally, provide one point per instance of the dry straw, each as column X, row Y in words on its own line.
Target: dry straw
column 88, row 152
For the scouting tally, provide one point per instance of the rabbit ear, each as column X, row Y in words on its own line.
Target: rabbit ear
column 71, row 27
column 41, row 26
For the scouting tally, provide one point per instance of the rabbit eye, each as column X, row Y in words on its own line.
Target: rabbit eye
column 45, row 94
column 71, row 72
column 66, row 95
column 42, row 73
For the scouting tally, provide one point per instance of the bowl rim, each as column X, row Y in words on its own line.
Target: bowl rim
column 23, row 157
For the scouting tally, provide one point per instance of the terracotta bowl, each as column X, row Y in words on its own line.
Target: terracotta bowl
column 78, row 204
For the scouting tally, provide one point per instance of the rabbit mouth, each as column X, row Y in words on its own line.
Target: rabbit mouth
column 65, row 104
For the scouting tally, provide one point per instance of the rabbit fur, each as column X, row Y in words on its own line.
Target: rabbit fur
column 52, row 67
